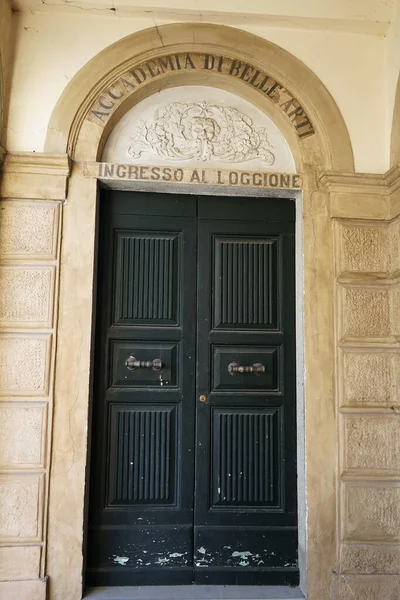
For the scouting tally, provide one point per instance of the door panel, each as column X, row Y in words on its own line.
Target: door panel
column 244, row 283
column 141, row 517
column 184, row 491
column 225, row 358
column 142, row 455
column 246, row 430
column 147, row 278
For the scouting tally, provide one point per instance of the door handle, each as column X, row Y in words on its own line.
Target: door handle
column 256, row 369
column 132, row 364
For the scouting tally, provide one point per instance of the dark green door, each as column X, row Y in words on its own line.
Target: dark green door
column 193, row 476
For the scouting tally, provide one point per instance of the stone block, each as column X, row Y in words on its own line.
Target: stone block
column 28, row 229
column 395, row 244
column 24, row 364
column 371, row 512
column 26, row 296
column 364, row 249
column 366, row 587
column 19, row 562
column 369, row 378
column 23, row 429
column 21, row 499
column 365, row 312
column 372, row 444
column 33, row 589
column 370, row 558
column 395, row 310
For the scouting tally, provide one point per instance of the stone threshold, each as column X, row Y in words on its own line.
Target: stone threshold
column 194, row 592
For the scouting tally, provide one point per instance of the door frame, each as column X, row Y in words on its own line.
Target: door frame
column 234, row 191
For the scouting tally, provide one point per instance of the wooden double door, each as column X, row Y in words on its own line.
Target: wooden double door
column 193, row 466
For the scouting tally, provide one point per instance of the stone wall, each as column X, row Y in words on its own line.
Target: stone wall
column 29, row 260
column 367, row 260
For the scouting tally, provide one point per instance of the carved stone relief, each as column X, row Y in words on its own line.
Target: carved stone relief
column 202, row 131
column 199, row 126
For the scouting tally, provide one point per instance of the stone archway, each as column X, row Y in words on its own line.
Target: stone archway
column 2, row 151
column 395, row 137
column 103, row 87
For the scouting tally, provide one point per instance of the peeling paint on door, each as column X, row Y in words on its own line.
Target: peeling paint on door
column 121, row 560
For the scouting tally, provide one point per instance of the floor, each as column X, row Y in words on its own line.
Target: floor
column 194, row 592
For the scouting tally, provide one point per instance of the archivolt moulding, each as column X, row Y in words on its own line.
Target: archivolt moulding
column 294, row 88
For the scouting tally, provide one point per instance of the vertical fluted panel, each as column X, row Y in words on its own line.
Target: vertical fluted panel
column 142, row 465
column 148, row 278
column 244, row 457
column 244, row 283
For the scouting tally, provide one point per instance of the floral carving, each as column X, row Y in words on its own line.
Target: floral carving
column 202, row 131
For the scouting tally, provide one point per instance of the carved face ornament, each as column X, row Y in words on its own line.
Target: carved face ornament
column 201, row 131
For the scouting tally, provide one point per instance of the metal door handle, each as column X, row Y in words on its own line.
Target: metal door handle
column 131, row 363
column 256, row 369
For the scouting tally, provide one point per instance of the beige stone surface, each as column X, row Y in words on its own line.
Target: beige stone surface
column 5, row 63
column 366, row 587
column 24, row 364
column 22, row 435
column 372, row 206
column 34, row 589
column 369, row 378
column 365, row 312
column 371, row 512
column 372, row 444
column 70, row 428
column 28, row 230
column 395, row 137
column 21, row 507
column 395, row 243
column 370, row 558
column 395, row 311
column 372, row 197
column 19, row 562
column 44, row 174
column 26, row 296
column 364, row 248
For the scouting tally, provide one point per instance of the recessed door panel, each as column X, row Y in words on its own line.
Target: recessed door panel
column 147, row 278
column 143, row 459
column 245, row 282
column 241, row 368
column 160, row 368
column 246, row 467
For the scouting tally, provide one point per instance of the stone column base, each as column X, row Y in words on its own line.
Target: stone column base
column 27, row 589
column 365, row 587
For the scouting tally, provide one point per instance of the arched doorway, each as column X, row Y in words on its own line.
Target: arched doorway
column 75, row 127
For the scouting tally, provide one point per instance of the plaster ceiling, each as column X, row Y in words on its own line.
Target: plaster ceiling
column 372, row 17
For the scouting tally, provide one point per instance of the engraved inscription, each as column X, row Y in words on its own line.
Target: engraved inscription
column 214, row 177
column 133, row 79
